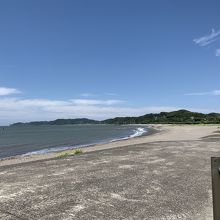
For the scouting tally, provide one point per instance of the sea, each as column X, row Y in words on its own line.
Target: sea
column 41, row 139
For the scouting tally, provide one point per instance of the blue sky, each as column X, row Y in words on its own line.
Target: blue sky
column 100, row 59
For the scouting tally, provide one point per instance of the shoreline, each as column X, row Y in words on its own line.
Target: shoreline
column 161, row 132
column 25, row 145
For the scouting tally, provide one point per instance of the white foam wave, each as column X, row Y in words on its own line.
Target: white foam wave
column 47, row 150
column 136, row 133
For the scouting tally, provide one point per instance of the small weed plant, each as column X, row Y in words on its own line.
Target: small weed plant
column 69, row 153
column 78, row 151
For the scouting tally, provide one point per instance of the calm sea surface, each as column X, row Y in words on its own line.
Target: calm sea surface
column 19, row 140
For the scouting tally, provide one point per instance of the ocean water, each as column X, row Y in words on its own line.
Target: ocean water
column 24, row 140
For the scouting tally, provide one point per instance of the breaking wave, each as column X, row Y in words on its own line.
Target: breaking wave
column 136, row 133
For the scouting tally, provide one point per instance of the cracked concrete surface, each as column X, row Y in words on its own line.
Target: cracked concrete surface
column 160, row 180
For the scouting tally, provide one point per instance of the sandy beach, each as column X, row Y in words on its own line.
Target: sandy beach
column 162, row 176
column 164, row 133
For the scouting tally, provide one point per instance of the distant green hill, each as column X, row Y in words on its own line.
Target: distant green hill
column 175, row 117
column 60, row 122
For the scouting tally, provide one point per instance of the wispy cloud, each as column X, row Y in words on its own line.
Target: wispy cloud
column 96, row 101
column 111, row 94
column 4, row 91
column 213, row 92
column 87, row 94
column 90, row 95
column 207, row 39
column 16, row 109
column 217, row 53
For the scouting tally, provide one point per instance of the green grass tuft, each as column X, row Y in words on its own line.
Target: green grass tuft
column 62, row 155
column 67, row 153
column 78, row 151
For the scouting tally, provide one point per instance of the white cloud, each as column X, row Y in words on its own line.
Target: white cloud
column 16, row 109
column 96, row 101
column 197, row 93
column 4, row 91
column 87, row 95
column 90, row 95
column 213, row 92
column 207, row 39
column 217, row 52
column 216, row 92
column 111, row 94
